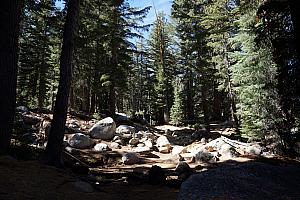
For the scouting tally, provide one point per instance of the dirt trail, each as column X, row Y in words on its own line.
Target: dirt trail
column 22, row 180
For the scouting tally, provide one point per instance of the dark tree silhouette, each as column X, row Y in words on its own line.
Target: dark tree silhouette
column 54, row 146
column 294, row 6
column 9, row 33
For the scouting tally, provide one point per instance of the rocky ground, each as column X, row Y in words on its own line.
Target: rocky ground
column 120, row 158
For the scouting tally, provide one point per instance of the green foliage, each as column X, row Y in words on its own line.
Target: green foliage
column 104, row 53
column 39, row 54
column 177, row 112
column 162, row 63
column 254, row 76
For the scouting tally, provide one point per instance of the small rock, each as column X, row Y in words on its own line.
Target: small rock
column 119, row 142
column 115, row 145
column 203, row 140
column 22, row 109
column 140, row 145
column 182, row 167
column 130, row 158
column 148, row 143
column 205, row 156
column 134, row 141
column 162, row 141
column 73, row 125
column 116, row 138
column 71, row 150
column 183, row 170
column 165, row 149
column 101, row 147
column 139, row 134
column 121, row 117
column 156, row 175
column 125, row 129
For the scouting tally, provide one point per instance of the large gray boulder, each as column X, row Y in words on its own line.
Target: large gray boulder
column 105, row 129
column 80, row 141
column 228, row 152
column 244, row 181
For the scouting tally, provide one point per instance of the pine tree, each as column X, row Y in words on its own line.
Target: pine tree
column 104, row 52
column 254, row 75
column 195, row 54
column 40, row 38
column 162, row 63
column 177, row 112
column 218, row 20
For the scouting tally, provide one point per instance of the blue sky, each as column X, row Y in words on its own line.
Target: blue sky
column 160, row 5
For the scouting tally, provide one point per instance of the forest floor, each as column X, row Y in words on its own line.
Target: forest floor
column 22, row 180
column 102, row 175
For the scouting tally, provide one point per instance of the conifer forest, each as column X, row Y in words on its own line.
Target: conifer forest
column 211, row 87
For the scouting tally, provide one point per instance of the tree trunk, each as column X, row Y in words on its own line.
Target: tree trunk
column 231, row 94
column 294, row 7
column 54, row 146
column 10, row 12
column 189, row 101
column 217, row 105
column 112, row 98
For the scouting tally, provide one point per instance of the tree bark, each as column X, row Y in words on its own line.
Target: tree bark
column 54, row 146
column 10, row 12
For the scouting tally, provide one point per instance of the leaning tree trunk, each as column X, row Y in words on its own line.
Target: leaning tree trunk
column 54, row 146
column 9, row 32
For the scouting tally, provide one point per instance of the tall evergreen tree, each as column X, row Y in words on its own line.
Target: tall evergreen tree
column 254, row 76
column 162, row 63
column 103, row 52
column 195, row 56
column 218, row 20
column 57, row 131
column 40, row 38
